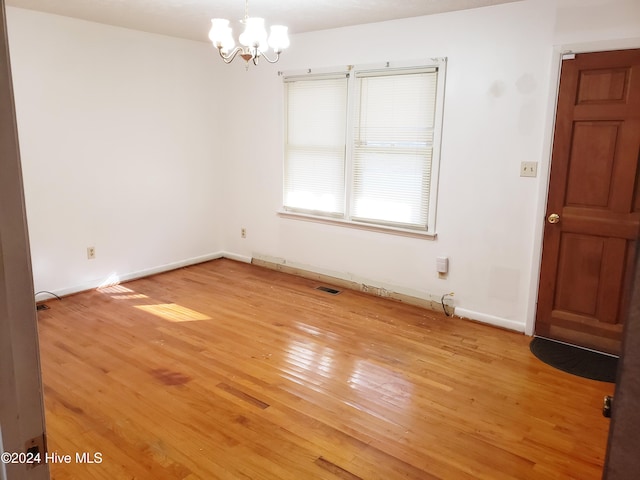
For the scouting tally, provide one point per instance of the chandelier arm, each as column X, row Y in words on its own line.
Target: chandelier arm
column 262, row 54
column 228, row 58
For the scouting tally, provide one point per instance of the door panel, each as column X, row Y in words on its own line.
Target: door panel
column 603, row 85
column 591, row 163
column 579, row 263
column 593, row 188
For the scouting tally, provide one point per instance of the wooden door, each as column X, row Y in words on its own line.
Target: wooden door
column 588, row 254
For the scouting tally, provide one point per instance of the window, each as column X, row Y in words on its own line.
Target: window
column 362, row 147
column 315, row 145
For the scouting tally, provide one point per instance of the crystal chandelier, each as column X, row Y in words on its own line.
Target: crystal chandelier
column 254, row 42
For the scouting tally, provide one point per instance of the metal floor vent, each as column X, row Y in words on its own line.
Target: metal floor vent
column 332, row 291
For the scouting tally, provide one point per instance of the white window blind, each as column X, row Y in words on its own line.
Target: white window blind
column 314, row 168
column 393, row 147
column 363, row 147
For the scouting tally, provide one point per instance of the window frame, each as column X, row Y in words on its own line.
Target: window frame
column 352, row 72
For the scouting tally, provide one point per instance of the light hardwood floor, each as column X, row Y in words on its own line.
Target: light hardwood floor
column 231, row 371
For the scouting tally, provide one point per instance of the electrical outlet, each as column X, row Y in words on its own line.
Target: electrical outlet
column 243, row 233
column 529, row 169
column 91, row 253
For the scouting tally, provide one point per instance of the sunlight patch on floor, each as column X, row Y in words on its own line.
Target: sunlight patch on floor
column 119, row 292
column 173, row 312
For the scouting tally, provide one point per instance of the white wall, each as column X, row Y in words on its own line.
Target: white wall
column 120, row 134
column 501, row 85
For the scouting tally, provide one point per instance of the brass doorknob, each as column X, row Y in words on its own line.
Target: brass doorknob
column 553, row 218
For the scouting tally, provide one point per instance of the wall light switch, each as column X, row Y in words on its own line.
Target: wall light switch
column 529, row 169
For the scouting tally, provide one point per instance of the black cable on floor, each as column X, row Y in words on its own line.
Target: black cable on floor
column 50, row 293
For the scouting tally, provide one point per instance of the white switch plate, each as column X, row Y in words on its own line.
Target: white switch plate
column 529, row 169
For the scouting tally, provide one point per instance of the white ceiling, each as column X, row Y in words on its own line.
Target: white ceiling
column 191, row 18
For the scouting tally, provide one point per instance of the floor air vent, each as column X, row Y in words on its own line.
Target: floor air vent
column 332, row 291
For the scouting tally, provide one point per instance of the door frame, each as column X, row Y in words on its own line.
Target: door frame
column 21, row 399
column 547, row 148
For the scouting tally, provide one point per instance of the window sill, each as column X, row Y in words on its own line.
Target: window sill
column 357, row 225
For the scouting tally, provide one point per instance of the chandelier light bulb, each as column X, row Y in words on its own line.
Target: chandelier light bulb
column 254, row 35
column 278, row 39
column 221, row 35
column 217, row 32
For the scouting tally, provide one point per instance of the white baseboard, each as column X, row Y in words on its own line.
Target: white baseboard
column 490, row 319
column 236, row 257
column 118, row 278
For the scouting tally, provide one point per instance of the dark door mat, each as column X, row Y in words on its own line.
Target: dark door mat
column 575, row 360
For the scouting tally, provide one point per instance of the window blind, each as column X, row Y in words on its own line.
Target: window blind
column 315, row 144
column 393, row 147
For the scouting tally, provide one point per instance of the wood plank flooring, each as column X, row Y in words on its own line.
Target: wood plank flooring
column 226, row 370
